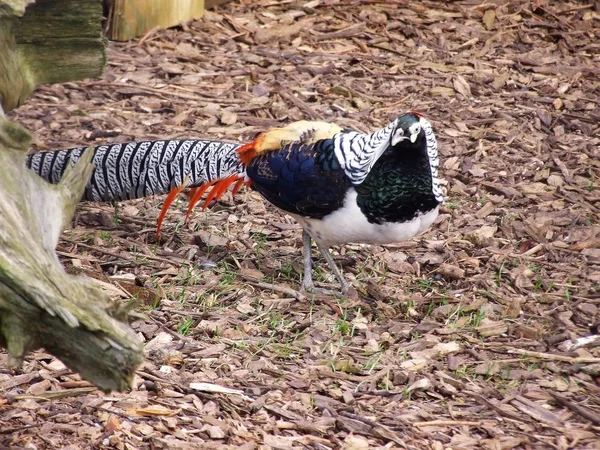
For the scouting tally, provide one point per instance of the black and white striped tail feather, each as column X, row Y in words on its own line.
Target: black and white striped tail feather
column 140, row 169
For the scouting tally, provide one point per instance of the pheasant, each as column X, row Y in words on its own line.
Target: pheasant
column 341, row 186
column 344, row 186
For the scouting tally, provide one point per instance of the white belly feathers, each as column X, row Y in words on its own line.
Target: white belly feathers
column 349, row 225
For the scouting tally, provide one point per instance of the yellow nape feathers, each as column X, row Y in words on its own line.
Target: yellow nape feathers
column 303, row 131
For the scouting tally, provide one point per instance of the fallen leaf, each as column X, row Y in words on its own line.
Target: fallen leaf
column 450, row 271
column 211, row 240
column 354, row 442
column 461, row 85
column 228, row 117
column 489, row 17
column 112, row 423
column 214, row 431
column 491, row 328
column 153, row 410
column 440, row 91
column 533, row 188
column 421, row 384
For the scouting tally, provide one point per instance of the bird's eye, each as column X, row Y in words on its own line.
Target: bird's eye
column 414, row 131
column 398, row 136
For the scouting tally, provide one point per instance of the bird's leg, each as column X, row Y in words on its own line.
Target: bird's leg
column 307, row 281
column 336, row 271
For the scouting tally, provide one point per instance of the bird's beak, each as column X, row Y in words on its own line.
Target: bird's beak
column 413, row 138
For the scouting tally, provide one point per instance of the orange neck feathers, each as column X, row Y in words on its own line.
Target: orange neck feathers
column 247, row 152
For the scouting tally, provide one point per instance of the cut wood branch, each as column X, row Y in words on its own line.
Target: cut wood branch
column 40, row 304
column 53, row 41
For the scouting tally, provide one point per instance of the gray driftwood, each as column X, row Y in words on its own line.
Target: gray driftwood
column 48, row 41
column 40, row 304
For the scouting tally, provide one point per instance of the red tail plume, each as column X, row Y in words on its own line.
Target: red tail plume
column 219, row 189
column 238, row 185
column 247, row 152
column 196, row 196
column 163, row 212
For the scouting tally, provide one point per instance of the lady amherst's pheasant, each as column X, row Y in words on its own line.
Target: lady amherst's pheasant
column 341, row 186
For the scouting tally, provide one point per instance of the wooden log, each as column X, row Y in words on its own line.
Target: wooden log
column 132, row 18
column 53, row 41
column 40, row 304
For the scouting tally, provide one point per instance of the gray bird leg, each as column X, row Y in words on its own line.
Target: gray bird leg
column 336, row 271
column 307, row 282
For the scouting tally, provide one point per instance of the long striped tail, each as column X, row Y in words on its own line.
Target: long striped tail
column 141, row 169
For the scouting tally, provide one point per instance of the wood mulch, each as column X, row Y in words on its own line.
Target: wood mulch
column 468, row 337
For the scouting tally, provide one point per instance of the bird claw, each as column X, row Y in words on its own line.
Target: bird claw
column 322, row 291
column 310, row 288
column 307, row 282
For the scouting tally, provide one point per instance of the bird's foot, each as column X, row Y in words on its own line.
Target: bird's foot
column 309, row 287
column 323, row 291
column 307, row 282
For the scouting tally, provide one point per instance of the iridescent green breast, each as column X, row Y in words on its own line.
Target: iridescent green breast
column 398, row 188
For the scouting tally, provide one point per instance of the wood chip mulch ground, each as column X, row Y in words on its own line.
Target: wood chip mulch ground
column 468, row 337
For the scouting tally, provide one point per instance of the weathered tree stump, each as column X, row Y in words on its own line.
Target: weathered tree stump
column 52, row 41
column 40, row 304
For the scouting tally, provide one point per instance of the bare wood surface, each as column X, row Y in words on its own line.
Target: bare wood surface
column 132, row 18
column 52, row 42
column 40, row 304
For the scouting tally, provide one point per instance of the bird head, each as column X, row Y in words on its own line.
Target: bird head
column 407, row 129
column 409, row 133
